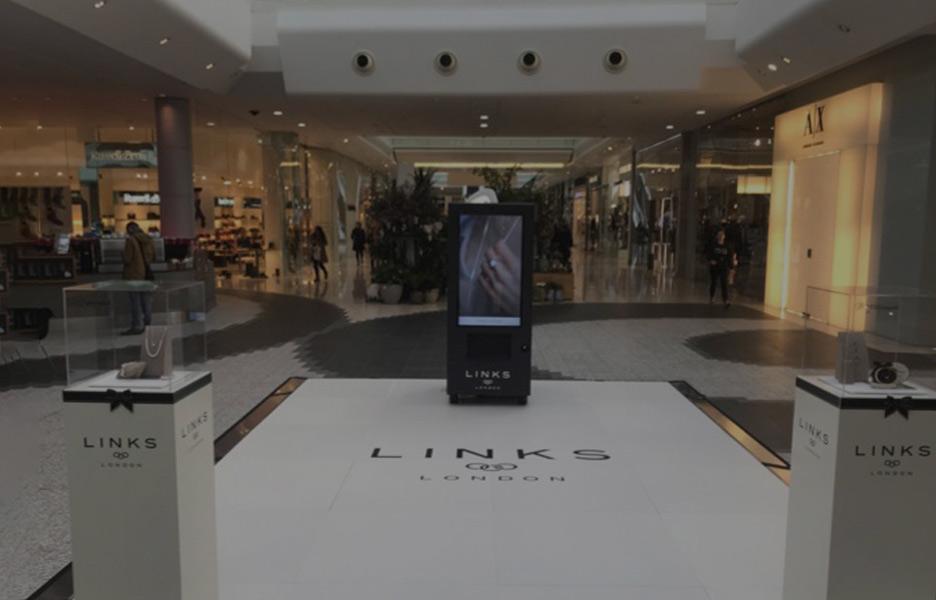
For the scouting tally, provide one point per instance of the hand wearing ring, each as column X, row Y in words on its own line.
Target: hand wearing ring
column 500, row 277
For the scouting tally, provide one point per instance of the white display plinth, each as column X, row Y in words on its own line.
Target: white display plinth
column 140, row 461
column 861, row 522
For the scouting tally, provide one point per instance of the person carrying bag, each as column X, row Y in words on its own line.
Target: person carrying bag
column 137, row 257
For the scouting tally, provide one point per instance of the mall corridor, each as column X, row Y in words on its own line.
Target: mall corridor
column 360, row 299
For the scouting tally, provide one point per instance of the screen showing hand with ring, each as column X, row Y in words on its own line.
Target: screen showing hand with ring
column 490, row 269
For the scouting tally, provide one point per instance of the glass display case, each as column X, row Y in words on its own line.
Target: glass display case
column 897, row 327
column 106, row 348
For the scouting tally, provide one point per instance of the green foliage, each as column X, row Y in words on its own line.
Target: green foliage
column 387, row 273
column 407, row 234
column 549, row 213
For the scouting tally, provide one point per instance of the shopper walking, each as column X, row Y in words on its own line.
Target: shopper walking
column 137, row 258
column 722, row 260
column 357, row 239
column 319, row 251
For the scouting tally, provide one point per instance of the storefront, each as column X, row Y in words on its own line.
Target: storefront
column 653, row 210
column 824, row 186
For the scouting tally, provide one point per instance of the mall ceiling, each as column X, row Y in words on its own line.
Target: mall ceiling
column 65, row 62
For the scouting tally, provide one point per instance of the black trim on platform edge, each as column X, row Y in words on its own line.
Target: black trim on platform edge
column 860, row 403
column 758, row 449
column 61, row 585
column 140, row 397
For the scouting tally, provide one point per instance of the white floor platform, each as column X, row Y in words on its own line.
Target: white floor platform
column 680, row 511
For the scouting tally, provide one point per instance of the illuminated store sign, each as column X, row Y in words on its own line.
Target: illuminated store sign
column 138, row 197
column 253, row 203
column 226, row 202
column 106, row 155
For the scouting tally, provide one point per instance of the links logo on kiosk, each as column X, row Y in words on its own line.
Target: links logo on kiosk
column 490, row 270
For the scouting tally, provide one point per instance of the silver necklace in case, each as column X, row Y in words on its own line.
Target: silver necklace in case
column 147, row 344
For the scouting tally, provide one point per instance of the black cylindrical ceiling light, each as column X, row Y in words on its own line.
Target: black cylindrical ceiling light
column 529, row 62
column 363, row 62
column 615, row 60
column 446, row 62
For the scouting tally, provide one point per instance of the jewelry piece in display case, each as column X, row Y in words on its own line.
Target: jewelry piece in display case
column 139, row 441
column 872, row 339
column 851, row 362
column 173, row 344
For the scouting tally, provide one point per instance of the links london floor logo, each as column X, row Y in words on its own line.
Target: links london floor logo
column 492, row 466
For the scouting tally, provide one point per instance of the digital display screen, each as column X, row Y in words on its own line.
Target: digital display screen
column 490, row 270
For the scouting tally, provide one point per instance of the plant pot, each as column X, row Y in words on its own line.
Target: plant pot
column 391, row 293
column 432, row 296
column 416, row 297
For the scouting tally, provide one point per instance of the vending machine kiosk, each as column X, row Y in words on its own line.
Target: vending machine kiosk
column 490, row 285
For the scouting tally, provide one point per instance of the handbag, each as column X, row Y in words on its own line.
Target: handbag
column 156, row 352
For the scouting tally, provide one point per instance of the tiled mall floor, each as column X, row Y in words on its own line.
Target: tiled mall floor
column 623, row 325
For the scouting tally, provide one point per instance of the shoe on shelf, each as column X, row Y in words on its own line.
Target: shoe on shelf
column 132, row 331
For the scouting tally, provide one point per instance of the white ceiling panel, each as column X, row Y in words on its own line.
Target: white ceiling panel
column 663, row 44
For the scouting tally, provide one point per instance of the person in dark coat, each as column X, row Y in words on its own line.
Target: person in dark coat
column 722, row 260
column 137, row 258
column 319, row 251
column 357, row 239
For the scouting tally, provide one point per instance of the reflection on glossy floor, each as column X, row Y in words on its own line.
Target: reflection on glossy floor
column 599, row 277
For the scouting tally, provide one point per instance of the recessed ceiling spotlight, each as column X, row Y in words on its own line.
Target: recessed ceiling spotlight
column 204, row 177
column 36, row 174
column 99, row 4
column 19, row 173
column 346, row 140
column 610, row 148
column 485, row 117
column 38, row 127
column 787, row 60
column 757, row 142
column 161, row 95
column 164, row 41
column 671, row 127
column 210, row 123
column 484, row 125
column 209, row 66
column 59, row 174
column 277, row 113
column 700, row 112
column 302, row 124
column 772, row 67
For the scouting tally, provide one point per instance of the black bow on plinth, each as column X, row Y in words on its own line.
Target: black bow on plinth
column 118, row 399
column 898, row 405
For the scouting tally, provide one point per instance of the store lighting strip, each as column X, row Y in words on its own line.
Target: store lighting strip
column 736, row 167
column 708, row 166
column 489, row 165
